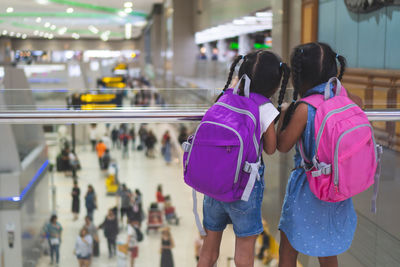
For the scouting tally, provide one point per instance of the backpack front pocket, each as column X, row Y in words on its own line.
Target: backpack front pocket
column 214, row 160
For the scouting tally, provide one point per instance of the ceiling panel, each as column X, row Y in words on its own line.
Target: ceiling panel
column 89, row 18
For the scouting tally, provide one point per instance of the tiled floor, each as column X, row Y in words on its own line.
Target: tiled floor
column 137, row 172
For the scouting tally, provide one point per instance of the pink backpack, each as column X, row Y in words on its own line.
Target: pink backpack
column 346, row 160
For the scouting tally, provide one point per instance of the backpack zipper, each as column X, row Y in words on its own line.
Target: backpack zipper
column 245, row 112
column 330, row 114
column 336, row 157
column 240, row 150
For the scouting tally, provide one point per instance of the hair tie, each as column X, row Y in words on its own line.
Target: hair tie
column 280, row 105
column 293, row 101
column 337, row 55
column 280, row 64
column 301, row 50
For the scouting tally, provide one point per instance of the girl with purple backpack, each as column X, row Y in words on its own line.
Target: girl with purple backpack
column 309, row 225
column 261, row 73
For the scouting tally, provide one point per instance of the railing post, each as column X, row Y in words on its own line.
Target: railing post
column 391, row 104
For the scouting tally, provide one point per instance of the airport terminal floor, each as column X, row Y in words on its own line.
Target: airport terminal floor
column 138, row 172
column 115, row 94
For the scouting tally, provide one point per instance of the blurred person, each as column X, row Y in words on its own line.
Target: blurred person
column 73, row 163
column 166, row 147
column 125, row 147
column 132, row 136
column 133, row 239
column 76, row 203
column 135, row 212
column 150, row 142
column 93, row 136
column 167, row 244
column 90, row 201
column 92, row 231
column 125, row 195
column 106, row 159
column 110, row 228
column 83, row 248
column 114, row 138
column 183, row 136
column 101, row 149
column 142, row 136
column 53, row 231
column 214, row 56
column 159, row 194
column 106, row 140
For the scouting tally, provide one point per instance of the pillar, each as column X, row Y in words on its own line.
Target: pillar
column 245, row 44
column 223, row 48
column 184, row 47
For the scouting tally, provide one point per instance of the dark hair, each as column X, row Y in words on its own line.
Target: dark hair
column 53, row 218
column 312, row 64
column 265, row 70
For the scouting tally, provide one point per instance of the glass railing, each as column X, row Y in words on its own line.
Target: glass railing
column 36, row 126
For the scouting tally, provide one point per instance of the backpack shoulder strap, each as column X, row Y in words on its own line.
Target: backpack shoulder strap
column 313, row 100
column 259, row 99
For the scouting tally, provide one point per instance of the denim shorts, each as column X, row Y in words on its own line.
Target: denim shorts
column 244, row 215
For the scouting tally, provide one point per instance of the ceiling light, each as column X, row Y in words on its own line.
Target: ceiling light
column 36, row 32
column 105, row 35
column 46, row 35
column 75, row 35
column 5, row 32
column 128, row 4
column 12, row 33
column 122, row 14
column 62, row 30
column 24, row 36
column 93, row 29
column 70, row 10
column 53, row 27
column 51, row 36
column 47, row 24
column 9, row 10
column 239, row 22
column 18, row 35
column 128, row 31
column 38, row 19
column 128, row 10
column 263, row 14
column 42, row 2
column 140, row 23
column 41, row 34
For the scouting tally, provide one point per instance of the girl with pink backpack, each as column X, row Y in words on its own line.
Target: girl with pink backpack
column 223, row 159
column 318, row 218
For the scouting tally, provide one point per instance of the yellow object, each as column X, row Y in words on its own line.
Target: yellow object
column 123, row 248
column 88, row 98
column 116, row 85
column 98, row 106
column 111, row 186
column 111, row 79
column 122, row 66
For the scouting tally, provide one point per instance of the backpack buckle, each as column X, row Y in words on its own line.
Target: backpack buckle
column 186, row 146
column 247, row 167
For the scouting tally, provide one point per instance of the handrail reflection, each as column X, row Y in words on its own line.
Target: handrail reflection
column 132, row 116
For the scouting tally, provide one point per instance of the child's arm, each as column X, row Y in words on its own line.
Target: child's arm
column 269, row 143
column 289, row 136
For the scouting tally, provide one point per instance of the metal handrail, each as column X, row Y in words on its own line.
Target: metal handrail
column 132, row 116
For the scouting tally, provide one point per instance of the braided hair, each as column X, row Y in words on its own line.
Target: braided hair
column 312, row 64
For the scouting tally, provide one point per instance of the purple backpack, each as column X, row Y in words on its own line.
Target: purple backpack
column 222, row 158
